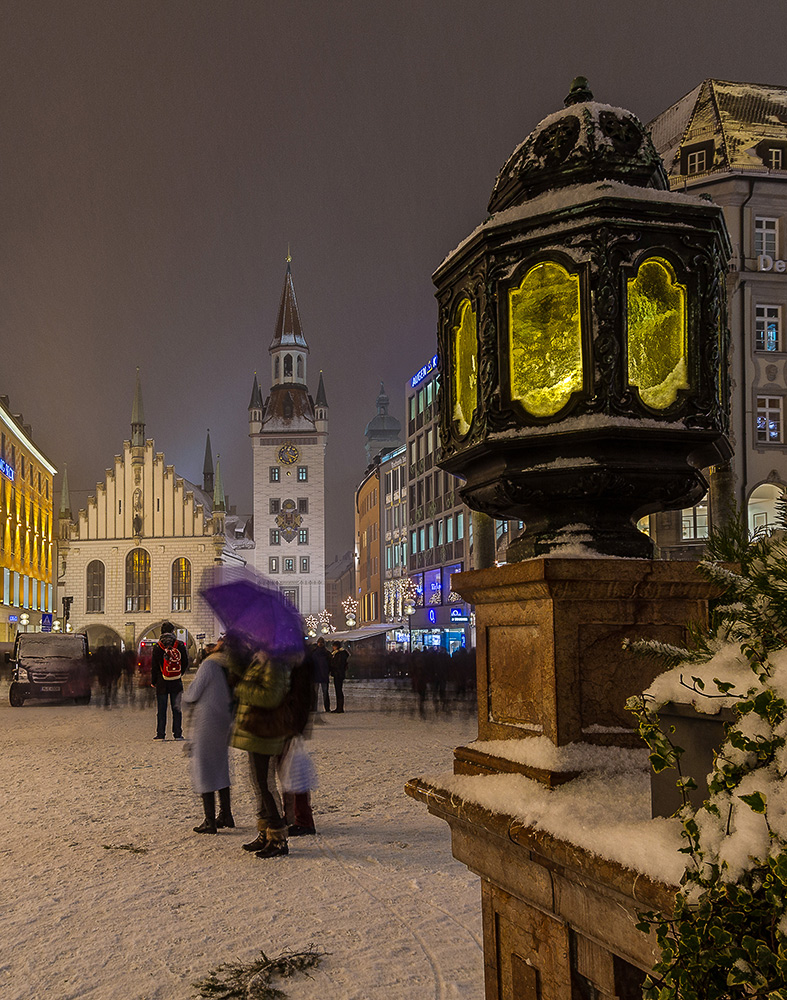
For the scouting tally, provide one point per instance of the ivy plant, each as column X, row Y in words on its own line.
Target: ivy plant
column 727, row 935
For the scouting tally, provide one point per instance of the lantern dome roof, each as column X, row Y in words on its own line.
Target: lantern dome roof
column 583, row 142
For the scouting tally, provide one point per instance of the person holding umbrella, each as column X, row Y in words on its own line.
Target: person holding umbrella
column 263, row 717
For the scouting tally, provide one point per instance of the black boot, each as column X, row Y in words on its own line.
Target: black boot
column 224, row 818
column 209, row 823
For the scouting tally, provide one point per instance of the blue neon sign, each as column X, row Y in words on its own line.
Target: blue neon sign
column 421, row 375
column 432, row 615
column 6, row 469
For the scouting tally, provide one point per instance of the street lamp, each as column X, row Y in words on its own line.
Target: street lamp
column 583, row 339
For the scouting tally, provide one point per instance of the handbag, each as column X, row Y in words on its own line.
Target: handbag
column 296, row 770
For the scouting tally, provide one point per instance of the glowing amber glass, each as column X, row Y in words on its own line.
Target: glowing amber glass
column 545, row 339
column 465, row 382
column 657, row 334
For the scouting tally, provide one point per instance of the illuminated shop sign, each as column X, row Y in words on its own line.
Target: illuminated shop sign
column 432, row 615
column 421, row 375
column 6, row 469
column 764, row 263
column 458, row 615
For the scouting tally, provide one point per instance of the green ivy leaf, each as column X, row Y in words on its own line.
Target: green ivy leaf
column 755, row 801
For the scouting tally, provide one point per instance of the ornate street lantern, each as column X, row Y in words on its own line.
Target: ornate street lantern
column 583, row 338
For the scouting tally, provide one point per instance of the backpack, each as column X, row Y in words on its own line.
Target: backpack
column 170, row 662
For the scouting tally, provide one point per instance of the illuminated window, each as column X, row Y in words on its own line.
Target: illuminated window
column 95, row 586
column 303, row 536
column 273, row 564
column 762, row 507
column 289, row 565
column 767, row 328
column 138, row 580
column 775, row 158
column 275, row 536
column 694, row 522
column 765, row 233
column 465, row 357
column 657, row 334
column 769, row 419
column 303, row 473
column 304, row 564
column 545, row 339
column 273, row 474
column 181, row 585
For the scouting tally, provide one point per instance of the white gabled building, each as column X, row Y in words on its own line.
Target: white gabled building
column 147, row 541
column 289, row 434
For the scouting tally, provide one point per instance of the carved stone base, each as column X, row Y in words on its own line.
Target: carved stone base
column 549, row 635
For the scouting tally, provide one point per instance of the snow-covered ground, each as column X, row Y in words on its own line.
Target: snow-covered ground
column 107, row 893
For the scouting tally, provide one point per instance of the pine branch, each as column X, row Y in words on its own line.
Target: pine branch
column 251, row 980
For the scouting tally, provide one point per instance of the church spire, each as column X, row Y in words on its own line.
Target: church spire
column 207, row 467
column 65, row 498
column 321, row 399
column 218, row 490
column 288, row 332
column 138, row 417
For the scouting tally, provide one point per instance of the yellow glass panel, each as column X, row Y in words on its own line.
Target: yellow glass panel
column 657, row 334
column 465, row 381
column 545, row 339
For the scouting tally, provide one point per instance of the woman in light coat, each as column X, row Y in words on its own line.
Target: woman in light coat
column 209, row 703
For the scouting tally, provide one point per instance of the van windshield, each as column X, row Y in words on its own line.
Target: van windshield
column 48, row 644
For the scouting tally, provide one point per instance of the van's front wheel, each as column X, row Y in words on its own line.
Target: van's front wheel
column 16, row 695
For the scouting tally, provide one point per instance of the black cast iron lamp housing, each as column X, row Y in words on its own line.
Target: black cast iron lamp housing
column 583, row 339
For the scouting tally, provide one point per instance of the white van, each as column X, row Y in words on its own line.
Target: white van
column 50, row 665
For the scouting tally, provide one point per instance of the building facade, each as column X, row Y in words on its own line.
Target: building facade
column 289, row 434
column 143, row 547
column 394, row 535
column 729, row 141
column 26, row 552
column 439, row 523
column 368, row 547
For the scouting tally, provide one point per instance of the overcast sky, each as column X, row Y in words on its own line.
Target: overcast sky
column 157, row 157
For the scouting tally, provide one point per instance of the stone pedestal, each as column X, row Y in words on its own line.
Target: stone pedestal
column 549, row 645
column 559, row 922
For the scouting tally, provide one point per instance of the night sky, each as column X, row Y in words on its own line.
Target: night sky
column 158, row 158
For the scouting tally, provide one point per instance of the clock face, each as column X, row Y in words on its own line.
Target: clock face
column 288, row 454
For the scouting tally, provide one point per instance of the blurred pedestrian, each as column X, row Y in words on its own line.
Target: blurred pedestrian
column 321, row 669
column 296, row 773
column 169, row 662
column 209, row 722
column 339, row 659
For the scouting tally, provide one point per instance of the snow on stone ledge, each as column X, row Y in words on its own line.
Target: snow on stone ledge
column 605, row 814
column 541, row 752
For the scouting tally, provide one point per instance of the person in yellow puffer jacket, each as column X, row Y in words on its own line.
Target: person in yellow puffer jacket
column 262, row 724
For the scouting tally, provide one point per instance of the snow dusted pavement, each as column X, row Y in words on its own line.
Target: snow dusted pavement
column 108, row 894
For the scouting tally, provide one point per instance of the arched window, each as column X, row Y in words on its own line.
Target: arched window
column 657, row 334
column 95, row 586
column 545, row 331
column 299, row 367
column 288, row 366
column 763, row 512
column 138, row 580
column 181, row 585
column 465, row 351
column 276, row 368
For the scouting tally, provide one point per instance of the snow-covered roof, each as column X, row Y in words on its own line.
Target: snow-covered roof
column 740, row 118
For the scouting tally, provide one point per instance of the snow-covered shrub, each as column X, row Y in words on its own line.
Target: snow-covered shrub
column 727, row 935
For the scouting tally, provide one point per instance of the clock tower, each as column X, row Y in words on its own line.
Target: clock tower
column 289, row 432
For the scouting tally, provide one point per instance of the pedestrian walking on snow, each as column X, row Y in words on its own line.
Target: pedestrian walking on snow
column 339, row 659
column 208, row 703
column 169, row 662
column 321, row 669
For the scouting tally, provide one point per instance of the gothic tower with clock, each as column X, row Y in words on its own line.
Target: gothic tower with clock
column 289, row 433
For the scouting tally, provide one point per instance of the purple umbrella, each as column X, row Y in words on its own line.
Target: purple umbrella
column 260, row 612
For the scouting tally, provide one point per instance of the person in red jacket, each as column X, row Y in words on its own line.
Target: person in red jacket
column 169, row 661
